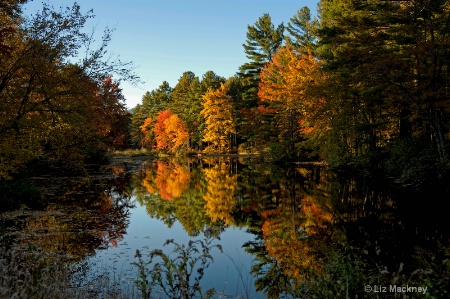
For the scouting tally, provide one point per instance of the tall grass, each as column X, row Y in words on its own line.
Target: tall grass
column 175, row 273
column 176, row 276
column 23, row 276
column 29, row 275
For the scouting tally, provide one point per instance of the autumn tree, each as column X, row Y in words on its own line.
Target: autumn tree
column 220, row 124
column 285, row 81
column 176, row 130
column 170, row 131
column 48, row 104
column 187, row 102
column 152, row 104
column 9, row 19
column 113, row 115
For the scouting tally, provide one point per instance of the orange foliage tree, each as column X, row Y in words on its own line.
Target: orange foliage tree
column 285, row 81
column 170, row 131
column 170, row 181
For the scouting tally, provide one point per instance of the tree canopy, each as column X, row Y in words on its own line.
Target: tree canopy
column 51, row 107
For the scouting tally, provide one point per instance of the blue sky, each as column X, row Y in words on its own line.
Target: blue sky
column 165, row 38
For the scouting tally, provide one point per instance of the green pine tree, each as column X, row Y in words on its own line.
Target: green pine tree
column 263, row 40
column 302, row 31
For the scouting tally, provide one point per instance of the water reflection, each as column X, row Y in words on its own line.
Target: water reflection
column 80, row 216
column 317, row 233
column 331, row 235
column 312, row 233
column 172, row 191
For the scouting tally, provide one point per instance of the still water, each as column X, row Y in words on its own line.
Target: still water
column 228, row 274
column 290, row 231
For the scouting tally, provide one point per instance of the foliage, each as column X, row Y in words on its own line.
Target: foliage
column 220, row 197
column 113, row 116
column 285, row 81
column 147, row 131
column 303, row 31
column 170, row 131
column 263, row 40
column 152, row 104
column 385, row 63
column 53, row 108
column 179, row 276
column 9, row 18
column 220, row 124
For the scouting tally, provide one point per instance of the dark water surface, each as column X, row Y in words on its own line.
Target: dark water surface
column 295, row 230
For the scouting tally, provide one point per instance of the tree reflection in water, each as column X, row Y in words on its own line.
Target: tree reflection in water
column 80, row 216
column 331, row 236
column 317, row 234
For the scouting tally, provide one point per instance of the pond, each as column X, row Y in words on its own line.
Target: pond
column 250, row 229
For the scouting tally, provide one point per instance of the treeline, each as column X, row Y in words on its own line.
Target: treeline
column 363, row 84
column 53, row 108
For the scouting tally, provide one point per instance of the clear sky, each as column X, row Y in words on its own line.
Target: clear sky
column 165, row 38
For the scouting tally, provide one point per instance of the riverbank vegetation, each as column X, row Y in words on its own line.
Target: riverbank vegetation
column 59, row 103
column 362, row 85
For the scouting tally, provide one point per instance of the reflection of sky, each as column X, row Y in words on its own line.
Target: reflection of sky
column 145, row 233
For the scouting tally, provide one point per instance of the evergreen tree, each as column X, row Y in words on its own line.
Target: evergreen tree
column 186, row 104
column 386, row 64
column 157, row 100
column 302, row 31
column 263, row 40
column 138, row 117
column 211, row 80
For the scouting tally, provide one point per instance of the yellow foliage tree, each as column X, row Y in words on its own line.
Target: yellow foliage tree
column 220, row 123
column 286, row 78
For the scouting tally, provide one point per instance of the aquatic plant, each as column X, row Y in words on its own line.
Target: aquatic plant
column 176, row 276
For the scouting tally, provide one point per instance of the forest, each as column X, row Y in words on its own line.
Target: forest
column 362, row 86
column 329, row 148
